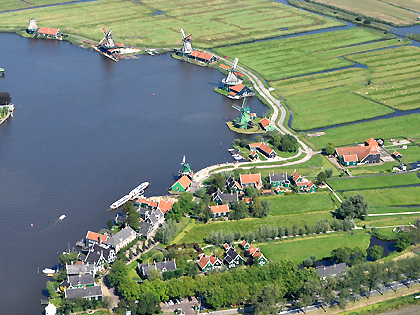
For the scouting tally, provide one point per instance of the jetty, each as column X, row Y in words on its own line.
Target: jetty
column 10, row 109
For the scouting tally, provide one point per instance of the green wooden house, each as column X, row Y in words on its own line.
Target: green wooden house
column 279, row 180
column 181, row 185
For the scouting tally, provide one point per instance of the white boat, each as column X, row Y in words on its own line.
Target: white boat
column 237, row 157
column 62, row 217
column 136, row 191
column 48, row 271
column 120, row 202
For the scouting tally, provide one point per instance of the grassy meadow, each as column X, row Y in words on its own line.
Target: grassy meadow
column 351, row 183
column 298, row 249
column 213, row 23
column 390, row 11
column 402, row 196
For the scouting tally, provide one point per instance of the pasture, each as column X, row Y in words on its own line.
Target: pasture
column 351, row 183
column 213, row 23
column 389, row 196
column 402, row 126
column 298, row 249
column 389, row 11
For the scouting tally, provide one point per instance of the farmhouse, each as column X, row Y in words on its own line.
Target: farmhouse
column 263, row 148
column 367, row 153
column 75, row 269
column 95, row 238
column 302, row 183
column 202, row 56
column 182, row 184
column 239, row 91
column 220, row 197
column 253, row 180
column 255, row 254
column 208, row 263
column 92, row 292
column 49, row 32
column 279, row 180
column 244, row 244
column 267, row 125
column 219, row 211
column 99, row 255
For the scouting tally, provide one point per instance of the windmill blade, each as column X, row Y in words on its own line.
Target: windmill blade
column 235, row 63
column 243, row 103
column 224, row 66
column 105, row 32
column 109, row 33
column 102, row 40
column 179, row 41
column 188, row 37
column 236, row 107
column 238, row 73
column 183, row 160
column 182, row 33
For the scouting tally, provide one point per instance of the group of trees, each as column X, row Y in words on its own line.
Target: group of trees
column 349, row 256
column 354, row 207
column 266, row 232
column 183, row 205
column 132, row 215
column 167, row 232
column 5, row 98
column 285, row 142
column 79, row 304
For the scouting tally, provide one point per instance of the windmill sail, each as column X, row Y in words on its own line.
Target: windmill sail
column 186, row 47
column 233, row 77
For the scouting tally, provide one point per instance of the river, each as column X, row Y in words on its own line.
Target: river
column 85, row 132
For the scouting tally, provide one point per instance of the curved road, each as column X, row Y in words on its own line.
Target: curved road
column 203, row 174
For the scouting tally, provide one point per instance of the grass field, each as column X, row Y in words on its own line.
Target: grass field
column 212, row 23
column 403, row 126
column 16, row 4
column 391, row 221
column 350, row 183
column 388, row 209
column 389, row 196
column 200, row 231
column 298, row 249
column 298, row 204
column 386, row 11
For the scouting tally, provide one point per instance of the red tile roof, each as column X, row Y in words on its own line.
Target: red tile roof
column 185, row 181
column 371, row 142
column 201, row 55
column 219, row 209
column 203, row 261
column 265, row 122
column 350, row 158
column 148, row 202
column 48, row 31
column 213, row 259
column 237, row 88
column 295, row 176
column 250, row 179
column 96, row 237
column 243, row 243
column 266, row 148
column 165, row 206
column 370, row 147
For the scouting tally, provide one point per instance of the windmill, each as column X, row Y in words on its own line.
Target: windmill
column 109, row 39
column 233, row 77
column 243, row 120
column 186, row 170
column 186, row 47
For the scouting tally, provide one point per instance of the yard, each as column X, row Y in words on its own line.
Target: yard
column 298, row 249
column 213, row 23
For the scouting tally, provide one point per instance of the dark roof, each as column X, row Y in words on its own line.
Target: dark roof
column 76, row 269
column 120, row 236
column 92, row 291
column 231, row 255
column 163, row 266
column 144, row 228
column 96, row 252
column 336, row 269
column 82, row 279
column 119, row 218
column 144, row 211
column 278, row 177
column 225, row 197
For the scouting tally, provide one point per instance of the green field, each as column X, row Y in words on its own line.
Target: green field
column 388, row 11
column 392, row 221
column 200, row 231
column 213, row 23
column 403, row 126
column 388, row 209
column 298, row 249
column 298, row 204
column 389, row 196
column 350, row 183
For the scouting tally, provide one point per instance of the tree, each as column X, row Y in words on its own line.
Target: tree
column 329, row 149
column 308, row 262
column 167, row 232
column 321, row 178
column 329, row 172
column 200, row 192
column 67, row 258
column 354, row 207
column 288, row 143
column 238, row 210
column 117, row 273
column 256, row 209
column 250, row 191
column 341, row 255
column 367, row 21
column 275, row 140
column 110, row 224
column 376, row 252
column 402, row 242
column 154, row 274
column 266, row 301
column 5, row 98
column 266, row 208
column 133, row 220
column 206, row 214
column 217, row 181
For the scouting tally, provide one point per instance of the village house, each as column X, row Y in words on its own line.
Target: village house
column 366, row 153
column 302, row 183
column 49, row 32
column 220, row 197
column 208, row 263
column 239, row 91
column 156, row 219
column 50, row 309
column 165, row 206
column 219, row 211
column 76, row 269
column 78, row 281
column 146, row 203
column 119, row 219
column 267, row 125
column 122, row 238
column 95, row 238
column 254, row 254
column 232, row 258
column 253, row 155
column 279, row 180
column 253, row 180
column 263, row 148
column 89, row 293
column 232, row 184
column 162, row 266
column 145, row 229
column 182, row 184
column 99, row 255
column 244, row 245
column 202, row 56
column 331, row 271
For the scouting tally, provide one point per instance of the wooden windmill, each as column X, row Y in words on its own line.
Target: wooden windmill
column 243, row 120
column 109, row 39
column 186, row 46
column 233, row 77
column 186, row 170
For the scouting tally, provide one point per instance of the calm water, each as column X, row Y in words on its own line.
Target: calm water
column 86, row 131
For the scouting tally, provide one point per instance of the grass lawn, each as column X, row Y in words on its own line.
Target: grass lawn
column 411, row 154
column 391, row 221
column 297, row 204
column 388, row 209
column 403, row 126
column 300, row 248
column 213, row 23
column 351, row 183
column 184, row 226
column 390, row 196
column 373, row 169
column 200, row 231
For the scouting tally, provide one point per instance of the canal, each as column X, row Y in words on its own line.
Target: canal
column 85, row 132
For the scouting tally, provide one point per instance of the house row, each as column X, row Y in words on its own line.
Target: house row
column 117, row 241
column 366, row 153
column 152, row 220
column 253, row 254
column 162, row 205
column 232, row 258
column 208, row 263
column 80, row 282
column 302, row 183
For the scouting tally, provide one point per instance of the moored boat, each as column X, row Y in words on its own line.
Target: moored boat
column 48, row 271
column 120, row 202
column 139, row 189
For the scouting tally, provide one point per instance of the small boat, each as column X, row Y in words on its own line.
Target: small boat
column 237, row 157
column 62, row 217
column 48, row 271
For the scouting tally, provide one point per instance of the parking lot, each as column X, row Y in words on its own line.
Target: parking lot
column 185, row 306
